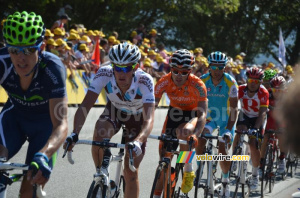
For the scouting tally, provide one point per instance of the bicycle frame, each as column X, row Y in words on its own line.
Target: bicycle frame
column 101, row 177
column 209, row 187
column 8, row 166
column 164, row 167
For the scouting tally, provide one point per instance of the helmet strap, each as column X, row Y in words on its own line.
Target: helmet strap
column 35, row 67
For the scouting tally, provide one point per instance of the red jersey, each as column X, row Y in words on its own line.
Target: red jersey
column 250, row 106
column 187, row 96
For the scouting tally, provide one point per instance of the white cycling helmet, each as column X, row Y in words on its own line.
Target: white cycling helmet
column 124, row 53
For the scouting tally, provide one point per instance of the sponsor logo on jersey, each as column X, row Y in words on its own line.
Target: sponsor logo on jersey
column 51, row 75
column 200, row 89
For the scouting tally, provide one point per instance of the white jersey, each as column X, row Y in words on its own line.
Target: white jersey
column 141, row 90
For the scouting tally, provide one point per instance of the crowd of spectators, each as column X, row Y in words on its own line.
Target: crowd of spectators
column 76, row 48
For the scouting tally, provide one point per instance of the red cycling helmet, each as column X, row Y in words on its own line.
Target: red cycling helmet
column 255, row 73
column 278, row 82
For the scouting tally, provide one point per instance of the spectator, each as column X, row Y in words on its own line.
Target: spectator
column 198, row 52
column 50, row 46
column 61, row 22
column 111, row 41
column 62, row 11
column 58, row 33
column 104, row 51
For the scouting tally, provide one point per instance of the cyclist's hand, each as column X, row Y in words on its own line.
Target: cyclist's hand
column 252, row 131
column 40, row 162
column 71, row 139
column 137, row 148
column 227, row 136
column 195, row 140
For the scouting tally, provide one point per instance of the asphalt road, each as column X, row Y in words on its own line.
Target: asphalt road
column 73, row 181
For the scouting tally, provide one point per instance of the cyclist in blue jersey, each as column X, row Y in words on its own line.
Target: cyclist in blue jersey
column 222, row 94
column 36, row 109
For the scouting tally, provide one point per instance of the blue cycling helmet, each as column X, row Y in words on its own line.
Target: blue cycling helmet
column 217, row 58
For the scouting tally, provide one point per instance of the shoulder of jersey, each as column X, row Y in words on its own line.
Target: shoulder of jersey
column 50, row 57
column 205, row 77
column 263, row 89
column 194, row 78
column 229, row 77
column 242, row 86
column 140, row 72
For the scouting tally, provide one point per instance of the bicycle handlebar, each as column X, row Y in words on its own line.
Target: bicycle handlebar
column 107, row 145
column 165, row 138
column 7, row 166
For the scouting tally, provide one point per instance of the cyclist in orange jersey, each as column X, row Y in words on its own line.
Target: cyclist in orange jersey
column 187, row 111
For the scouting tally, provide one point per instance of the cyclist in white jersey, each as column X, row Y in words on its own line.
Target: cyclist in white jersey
column 131, row 102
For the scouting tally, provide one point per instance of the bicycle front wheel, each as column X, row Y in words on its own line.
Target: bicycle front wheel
column 199, row 174
column 156, row 178
column 97, row 190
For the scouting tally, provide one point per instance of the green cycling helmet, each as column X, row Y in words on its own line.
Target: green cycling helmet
column 23, row 29
column 269, row 74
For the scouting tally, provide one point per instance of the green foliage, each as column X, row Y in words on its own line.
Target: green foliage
column 231, row 26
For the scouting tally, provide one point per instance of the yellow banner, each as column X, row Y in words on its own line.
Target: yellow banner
column 77, row 88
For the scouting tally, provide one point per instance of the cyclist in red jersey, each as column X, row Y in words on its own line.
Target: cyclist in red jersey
column 254, row 98
column 188, row 104
column 277, row 87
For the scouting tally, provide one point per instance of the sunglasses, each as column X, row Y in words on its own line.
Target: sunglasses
column 183, row 72
column 122, row 68
column 26, row 50
column 256, row 81
column 217, row 67
column 274, row 90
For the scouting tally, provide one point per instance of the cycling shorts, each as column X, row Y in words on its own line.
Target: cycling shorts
column 243, row 119
column 174, row 119
column 18, row 126
column 133, row 123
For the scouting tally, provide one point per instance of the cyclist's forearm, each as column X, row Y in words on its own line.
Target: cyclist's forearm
column 145, row 132
column 233, row 112
column 200, row 124
column 79, row 119
column 56, row 139
column 232, row 118
column 261, row 117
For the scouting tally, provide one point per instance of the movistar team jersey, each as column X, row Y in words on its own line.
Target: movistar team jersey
column 141, row 90
column 218, row 96
column 48, row 82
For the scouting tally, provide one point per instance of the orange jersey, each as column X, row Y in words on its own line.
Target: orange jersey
column 187, row 96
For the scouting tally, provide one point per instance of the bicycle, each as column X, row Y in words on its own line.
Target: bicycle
column 102, row 186
column 170, row 188
column 5, row 167
column 208, row 186
column 268, row 175
column 242, row 177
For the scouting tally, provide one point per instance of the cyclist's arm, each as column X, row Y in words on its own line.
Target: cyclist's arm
column 233, row 112
column 83, row 110
column 261, row 117
column 201, row 112
column 148, row 116
column 58, row 113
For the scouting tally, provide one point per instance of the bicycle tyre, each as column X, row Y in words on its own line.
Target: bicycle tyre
column 157, row 175
column 121, row 188
column 199, row 175
column 271, row 175
column 264, row 179
column 177, row 189
column 95, row 189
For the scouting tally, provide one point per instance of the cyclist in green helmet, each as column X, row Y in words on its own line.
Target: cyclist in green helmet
column 36, row 110
column 269, row 74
